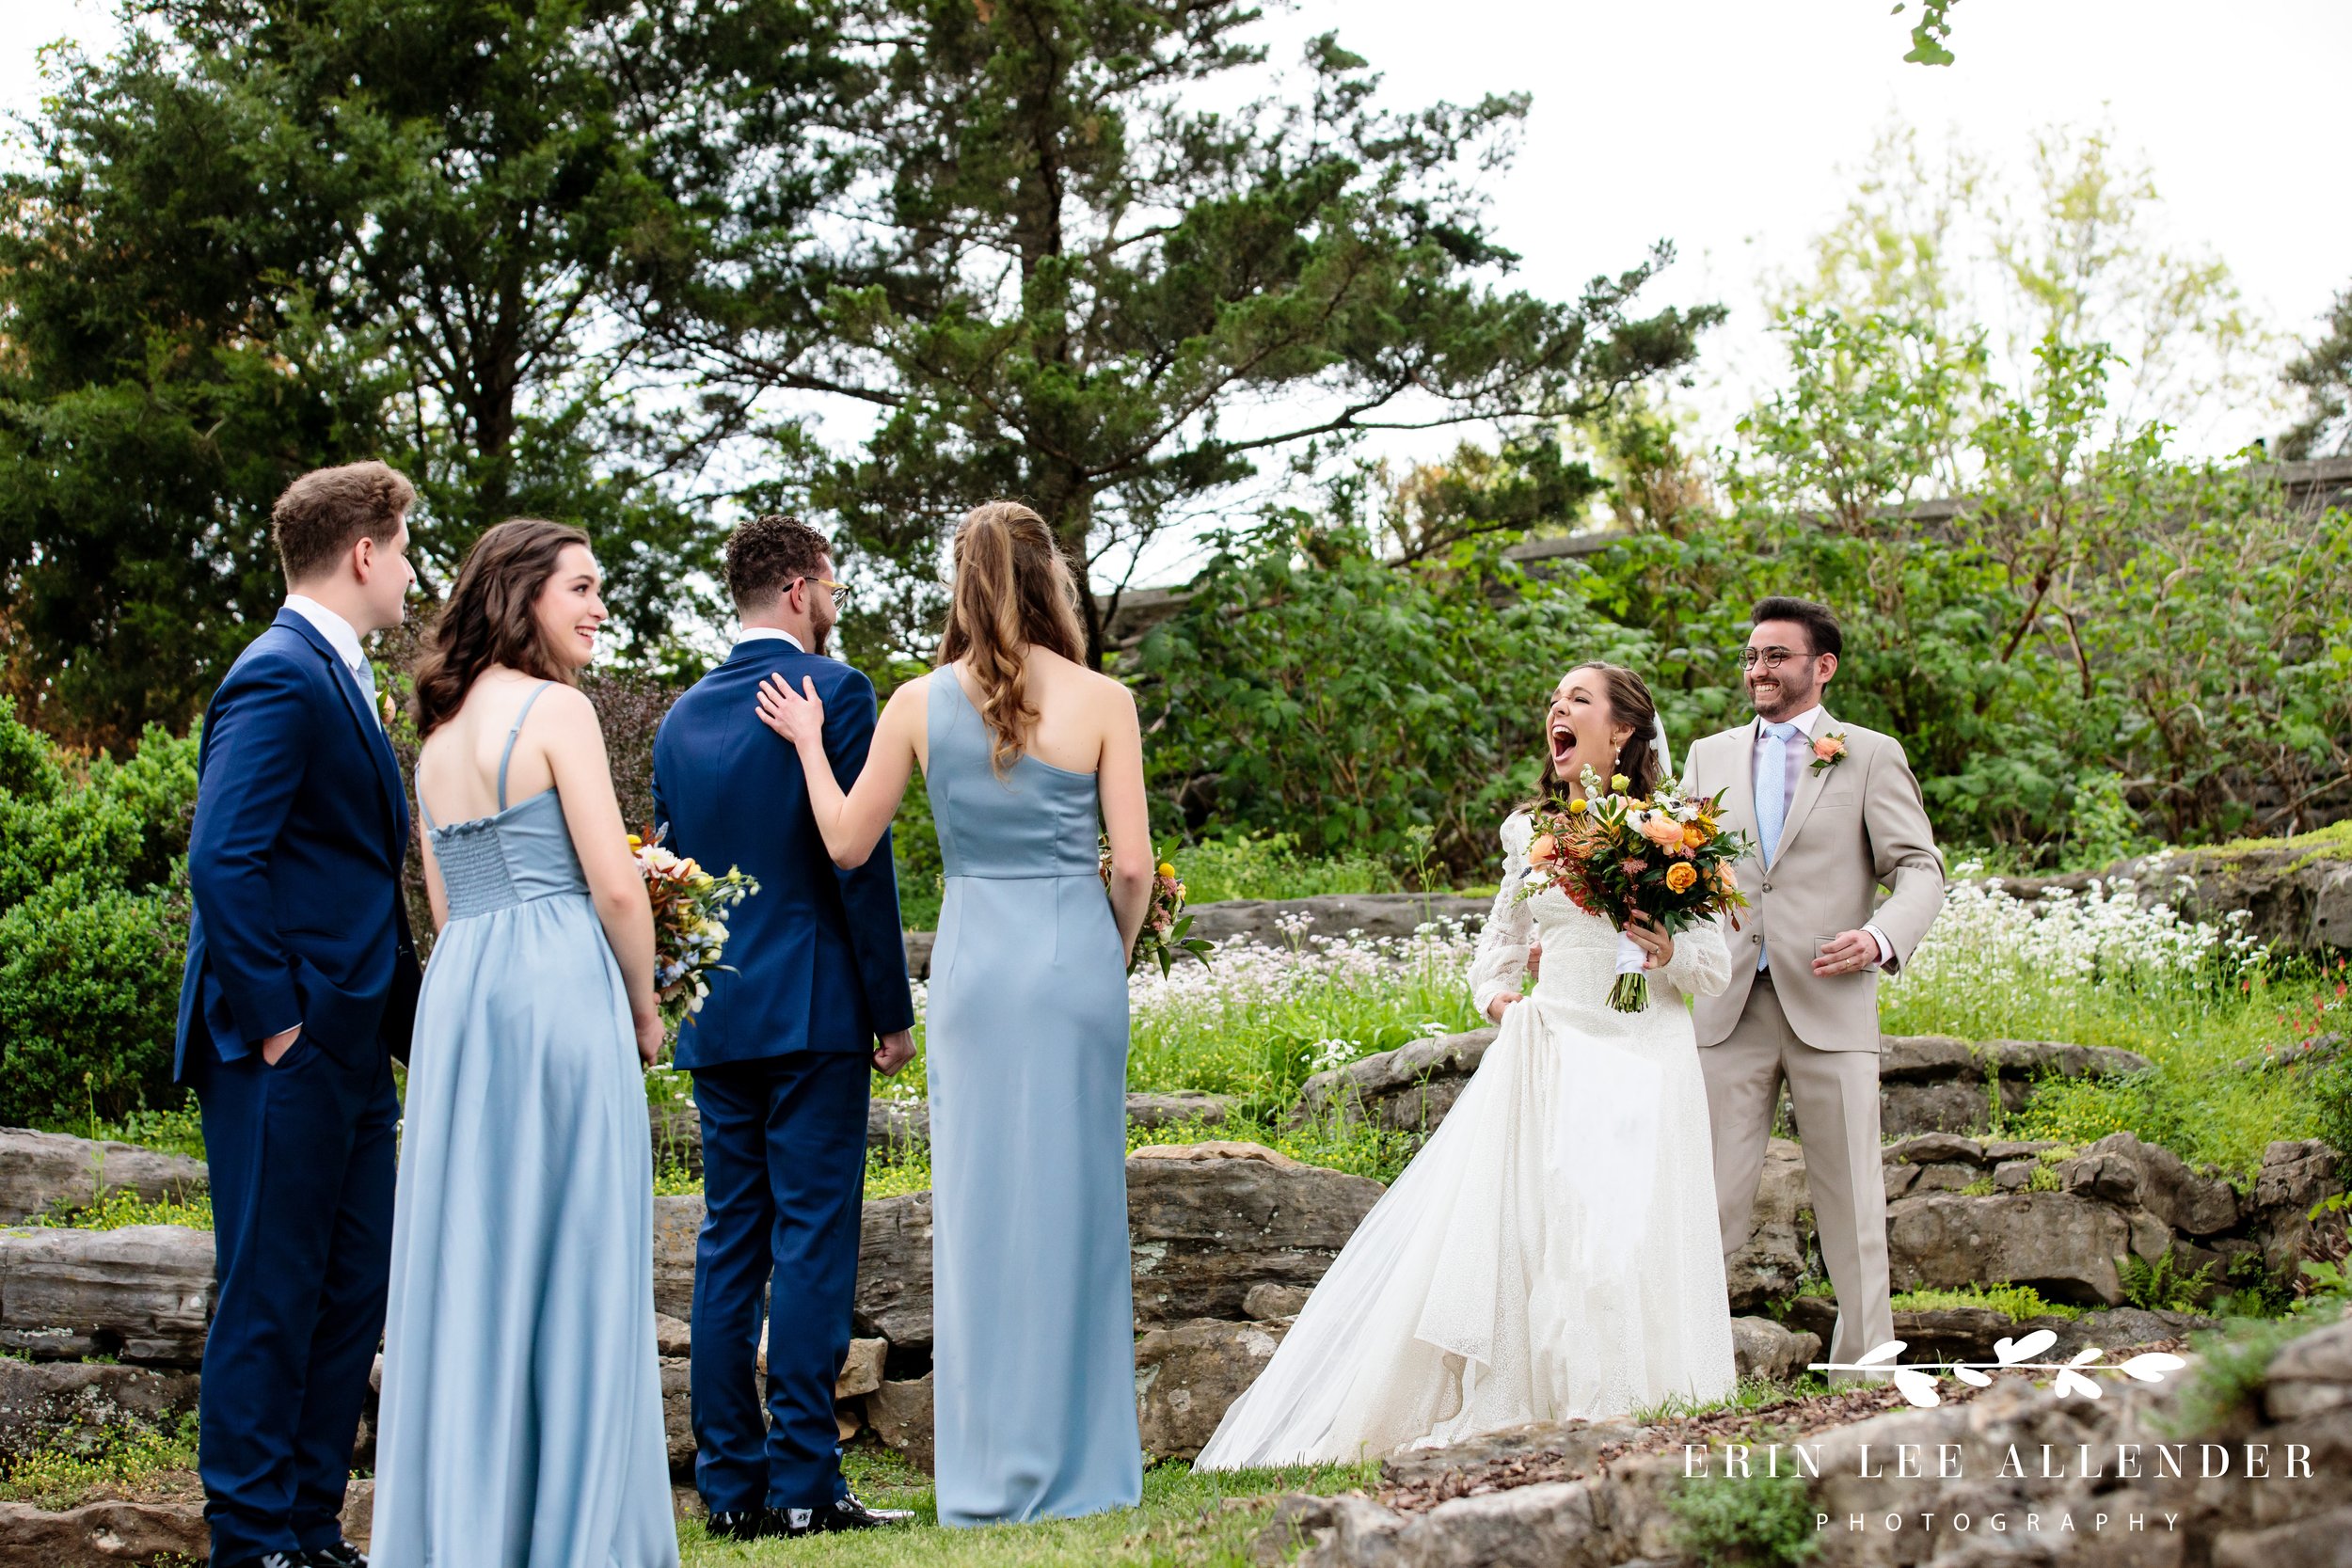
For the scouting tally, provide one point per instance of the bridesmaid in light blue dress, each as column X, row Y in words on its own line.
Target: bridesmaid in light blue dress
column 521, row 1418
column 1028, row 755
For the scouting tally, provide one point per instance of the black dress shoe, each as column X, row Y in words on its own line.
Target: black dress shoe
column 343, row 1554
column 740, row 1524
column 847, row 1513
column 270, row 1560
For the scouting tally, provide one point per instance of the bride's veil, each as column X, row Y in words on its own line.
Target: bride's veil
column 1658, row 744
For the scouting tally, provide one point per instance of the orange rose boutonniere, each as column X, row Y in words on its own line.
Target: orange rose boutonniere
column 1828, row 752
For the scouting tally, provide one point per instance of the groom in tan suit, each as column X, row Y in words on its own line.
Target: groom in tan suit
column 1836, row 816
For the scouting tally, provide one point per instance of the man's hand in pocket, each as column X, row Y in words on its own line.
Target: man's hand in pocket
column 278, row 1045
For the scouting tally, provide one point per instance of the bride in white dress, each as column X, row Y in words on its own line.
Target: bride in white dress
column 1553, row 1250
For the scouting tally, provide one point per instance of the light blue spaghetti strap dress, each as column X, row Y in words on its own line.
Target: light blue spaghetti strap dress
column 1034, row 1355
column 521, row 1418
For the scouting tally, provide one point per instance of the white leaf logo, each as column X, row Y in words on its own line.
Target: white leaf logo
column 1886, row 1351
column 1917, row 1386
column 1972, row 1377
column 2010, row 1352
column 2151, row 1366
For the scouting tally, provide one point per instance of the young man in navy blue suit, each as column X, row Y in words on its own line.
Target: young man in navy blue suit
column 782, row 1048
column 301, row 986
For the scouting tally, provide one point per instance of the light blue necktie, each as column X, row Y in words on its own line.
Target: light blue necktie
column 1772, row 798
column 364, row 674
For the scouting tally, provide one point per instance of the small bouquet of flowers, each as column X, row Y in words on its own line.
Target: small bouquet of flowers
column 690, row 923
column 1665, row 855
column 1165, row 921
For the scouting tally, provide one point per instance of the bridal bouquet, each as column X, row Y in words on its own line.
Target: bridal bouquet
column 1664, row 855
column 1165, row 921
column 690, row 923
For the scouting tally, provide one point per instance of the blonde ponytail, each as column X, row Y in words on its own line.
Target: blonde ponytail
column 1013, row 590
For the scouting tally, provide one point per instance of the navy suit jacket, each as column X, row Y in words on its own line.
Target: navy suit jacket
column 301, row 826
column 820, row 954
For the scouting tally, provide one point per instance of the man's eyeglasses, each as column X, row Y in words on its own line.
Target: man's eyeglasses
column 1772, row 659
column 841, row 591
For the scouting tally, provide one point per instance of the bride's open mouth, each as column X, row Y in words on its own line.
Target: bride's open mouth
column 1563, row 744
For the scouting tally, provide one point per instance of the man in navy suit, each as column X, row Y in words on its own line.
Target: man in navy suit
column 781, row 1049
column 301, row 986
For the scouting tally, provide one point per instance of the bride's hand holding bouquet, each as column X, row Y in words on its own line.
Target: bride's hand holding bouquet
column 1650, row 864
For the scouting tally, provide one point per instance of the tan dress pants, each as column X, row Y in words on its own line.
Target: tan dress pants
column 1835, row 1094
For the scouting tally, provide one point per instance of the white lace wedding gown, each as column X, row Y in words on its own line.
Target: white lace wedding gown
column 1553, row 1252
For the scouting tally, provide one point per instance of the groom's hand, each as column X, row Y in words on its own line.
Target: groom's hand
column 894, row 1052
column 1848, row 953
column 276, row 1047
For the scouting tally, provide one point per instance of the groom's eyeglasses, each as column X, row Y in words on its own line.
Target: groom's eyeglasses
column 1772, row 659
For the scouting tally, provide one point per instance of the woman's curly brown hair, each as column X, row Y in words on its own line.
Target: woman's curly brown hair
column 488, row 617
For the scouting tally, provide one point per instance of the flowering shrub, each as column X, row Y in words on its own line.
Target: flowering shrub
column 1989, row 956
column 1259, row 1019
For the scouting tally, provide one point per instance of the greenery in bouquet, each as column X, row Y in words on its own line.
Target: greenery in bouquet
column 1664, row 855
column 690, row 923
column 1164, row 922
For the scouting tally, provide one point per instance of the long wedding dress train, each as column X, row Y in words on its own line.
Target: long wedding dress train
column 1553, row 1252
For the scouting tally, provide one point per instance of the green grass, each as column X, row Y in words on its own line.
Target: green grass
column 2194, row 1029
column 1749, row 1393
column 2016, row 1301
column 1185, row 1523
column 1270, row 867
column 178, row 1130
column 123, row 1209
column 123, row 1457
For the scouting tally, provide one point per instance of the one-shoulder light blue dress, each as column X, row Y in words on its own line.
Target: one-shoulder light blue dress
column 521, row 1416
column 1027, row 1044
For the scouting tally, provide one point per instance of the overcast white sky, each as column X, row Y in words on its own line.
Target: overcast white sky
column 1723, row 124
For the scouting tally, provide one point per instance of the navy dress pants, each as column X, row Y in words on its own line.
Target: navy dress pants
column 301, row 1158
column 783, row 1176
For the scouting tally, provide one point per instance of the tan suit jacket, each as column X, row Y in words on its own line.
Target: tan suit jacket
column 1851, row 830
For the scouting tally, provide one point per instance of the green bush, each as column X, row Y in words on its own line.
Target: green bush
column 1269, row 865
column 1761, row 1521
column 92, row 933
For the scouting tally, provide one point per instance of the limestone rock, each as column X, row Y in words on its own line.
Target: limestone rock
column 677, row 1414
column 2120, row 1169
column 1208, row 1222
column 2296, row 1175
column 102, row 1534
column 676, row 1221
column 1408, row 1090
column 1937, row 1083
column 1188, row 1376
column 2312, row 1375
column 70, row 1406
column 671, row 1336
column 1772, row 1261
column 861, row 1369
column 1575, row 1443
column 1762, row 1348
column 40, row 1170
column 1274, row 1301
column 143, row 1293
column 2322, row 1541
column 900, row 1415
column 1186, row 1105
column 894, row 1272
column 2062, row 1245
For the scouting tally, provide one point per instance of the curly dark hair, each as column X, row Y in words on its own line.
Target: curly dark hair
column 487, row 619
column 765, row 555
column 1630, row 701
column 1818, row 621
column 326, row 510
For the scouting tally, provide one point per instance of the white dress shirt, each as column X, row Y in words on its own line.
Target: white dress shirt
column 755, row 634
column 1795, row 759
column 332, row 626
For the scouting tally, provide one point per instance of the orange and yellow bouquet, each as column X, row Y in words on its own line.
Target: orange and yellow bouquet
column 690, row 923
column 1664, row 855
column 1165, row 922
